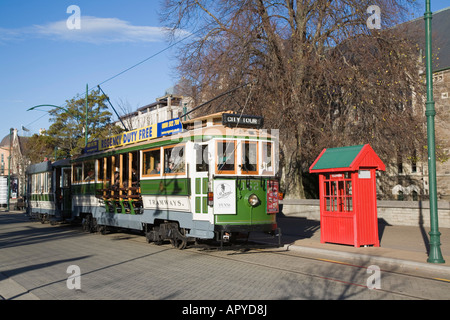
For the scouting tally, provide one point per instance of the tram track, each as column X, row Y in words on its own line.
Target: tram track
column 240, row 254
column 234, row 255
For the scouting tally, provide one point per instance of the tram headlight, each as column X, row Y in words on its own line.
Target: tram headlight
column 253, row 200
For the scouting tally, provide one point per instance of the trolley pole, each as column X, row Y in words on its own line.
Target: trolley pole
column 435, row 244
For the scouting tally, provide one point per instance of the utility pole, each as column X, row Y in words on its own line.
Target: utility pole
column 9, row 170
column 435, row 244
column 86, row 129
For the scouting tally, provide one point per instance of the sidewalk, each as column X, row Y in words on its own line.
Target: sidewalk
column 400, row 246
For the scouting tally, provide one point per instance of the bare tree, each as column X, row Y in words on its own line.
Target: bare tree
column 320, row 75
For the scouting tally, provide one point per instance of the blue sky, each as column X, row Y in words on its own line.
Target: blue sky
column 42, row 61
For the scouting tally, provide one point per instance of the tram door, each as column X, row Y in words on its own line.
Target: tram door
column 199, row 183
column 66, row 208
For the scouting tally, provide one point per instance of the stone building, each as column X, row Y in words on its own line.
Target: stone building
column 15, row 144
column 407, row 176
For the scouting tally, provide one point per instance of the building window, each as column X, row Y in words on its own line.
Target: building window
column 399, row 164
column 414, row 162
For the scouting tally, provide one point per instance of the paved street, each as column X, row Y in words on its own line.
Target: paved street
column 34, row 259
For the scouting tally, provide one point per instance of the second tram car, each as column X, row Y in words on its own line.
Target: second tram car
column 48, row 191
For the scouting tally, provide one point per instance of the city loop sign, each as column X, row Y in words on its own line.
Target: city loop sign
column 232, row 119
column 153, row 131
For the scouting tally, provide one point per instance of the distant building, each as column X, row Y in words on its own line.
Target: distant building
column 167, row 107
column 18, row 165
column 407, row 178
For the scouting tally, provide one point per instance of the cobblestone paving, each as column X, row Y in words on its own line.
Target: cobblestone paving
column 123, row 266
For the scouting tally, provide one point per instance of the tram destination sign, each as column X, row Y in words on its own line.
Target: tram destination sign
column 237, row 120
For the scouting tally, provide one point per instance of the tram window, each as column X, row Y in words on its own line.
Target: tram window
column 35, row 183
column 249, row 157
column 40, row 183
column 77, row 172
column 226, row 156
column 151, row 162
column 108, row 168
column 66, row 178
column 100, row 169
column 201, row 158
column 89, row 170
column 45, row 182
column 267, row 165
column 174, row 159
column 48, row 178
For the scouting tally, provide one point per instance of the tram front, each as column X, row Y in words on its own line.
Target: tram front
column 243, row 191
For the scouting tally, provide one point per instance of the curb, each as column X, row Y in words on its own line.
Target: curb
column 399, row 263
column 11, row 290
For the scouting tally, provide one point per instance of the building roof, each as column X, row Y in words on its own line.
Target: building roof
column 440, row 26
column 5, row 141
column 349, row 158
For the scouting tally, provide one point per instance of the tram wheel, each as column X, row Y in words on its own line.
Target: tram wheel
column 87, row 223
column 102, row 229
column 178, row 241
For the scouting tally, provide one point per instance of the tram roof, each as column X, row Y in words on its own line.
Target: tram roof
column 215, row 130
column 39, row 167
column 213, row 116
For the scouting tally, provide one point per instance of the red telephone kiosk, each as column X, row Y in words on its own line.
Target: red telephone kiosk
column 348, row 202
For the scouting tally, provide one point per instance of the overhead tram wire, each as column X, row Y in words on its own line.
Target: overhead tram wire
column 128, row 69
column 215, row 98
column 146, row 59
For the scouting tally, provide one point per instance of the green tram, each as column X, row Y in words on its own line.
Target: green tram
column 48, row 191
column 211, row 177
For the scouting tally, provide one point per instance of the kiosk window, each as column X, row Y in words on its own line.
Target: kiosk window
column 338, row 193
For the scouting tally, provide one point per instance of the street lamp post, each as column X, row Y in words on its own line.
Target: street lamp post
column 435, row 255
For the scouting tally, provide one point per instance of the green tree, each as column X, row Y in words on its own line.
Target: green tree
column 38, row 147
column 67, row 131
